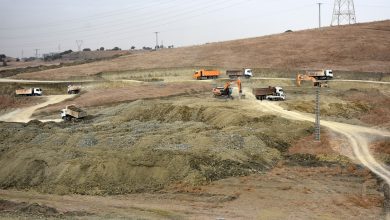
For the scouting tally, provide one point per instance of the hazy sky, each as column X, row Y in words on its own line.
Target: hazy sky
column 54, row 25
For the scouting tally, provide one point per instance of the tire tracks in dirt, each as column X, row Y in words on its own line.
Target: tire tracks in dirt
column 358, row 136
column 25, row 114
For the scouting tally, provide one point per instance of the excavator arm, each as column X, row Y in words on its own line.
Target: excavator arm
column 302, row 77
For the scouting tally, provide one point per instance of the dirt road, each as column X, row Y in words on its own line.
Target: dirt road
column 172, row 79
column 24, row 114
column 358, row 136
column 335, row 80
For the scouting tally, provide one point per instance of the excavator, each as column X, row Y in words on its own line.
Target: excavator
column 226, row 90
column 319, row 77
column 302, row 77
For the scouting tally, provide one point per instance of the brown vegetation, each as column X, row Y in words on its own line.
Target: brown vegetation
column 117, row 93
column 339, row 48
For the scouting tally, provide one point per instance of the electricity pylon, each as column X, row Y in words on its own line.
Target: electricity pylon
column 343, row 12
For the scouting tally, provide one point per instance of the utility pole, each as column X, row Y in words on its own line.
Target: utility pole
column 319, row 14
column 36, row 52
column 318, row 113
column 156, row 40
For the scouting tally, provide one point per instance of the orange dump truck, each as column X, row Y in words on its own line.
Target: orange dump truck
column 206, row 74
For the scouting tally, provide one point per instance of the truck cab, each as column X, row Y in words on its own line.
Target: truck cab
column 279, row 91
column 248, row 73
column 37, row 91
column 278, row 95
column 328, row 74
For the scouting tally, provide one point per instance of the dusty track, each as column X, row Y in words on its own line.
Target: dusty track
column 24, row 114
column 358, row 136
column 335, row 80
column 8, row 80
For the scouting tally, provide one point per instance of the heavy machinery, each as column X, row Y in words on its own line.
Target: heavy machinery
column 226, row 90
column 269, row 93
column 318, row 77
column 206, row 74
column 29, row 92
column 223, row 92
column 72, row 113
column 233, row 74
column 74, row 89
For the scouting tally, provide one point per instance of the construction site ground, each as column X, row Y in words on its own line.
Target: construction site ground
column 167, row 149
column 156, row 144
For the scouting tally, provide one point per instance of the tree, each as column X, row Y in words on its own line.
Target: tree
column 116, row 48
column 102, row 48
column 133, row 47
column 66, row 52
column 3, row 58
column 86, row 49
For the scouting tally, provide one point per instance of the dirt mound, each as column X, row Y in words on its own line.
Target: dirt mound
column 141, row 146
column 33, row 210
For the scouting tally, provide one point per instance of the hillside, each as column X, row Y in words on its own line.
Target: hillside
column 361, row 47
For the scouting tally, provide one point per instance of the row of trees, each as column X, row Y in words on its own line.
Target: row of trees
column 55, row 56
column 3, row 59
column 132, row 48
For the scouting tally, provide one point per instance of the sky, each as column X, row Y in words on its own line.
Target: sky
column 54, row 25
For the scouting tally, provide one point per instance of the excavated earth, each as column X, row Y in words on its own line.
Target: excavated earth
column 180, row 153
column 143, row 146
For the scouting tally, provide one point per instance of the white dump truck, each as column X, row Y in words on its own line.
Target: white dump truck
column 269, row 93
column 247, row 73
column 29, row 92
column 320, row 74
column 71, row 112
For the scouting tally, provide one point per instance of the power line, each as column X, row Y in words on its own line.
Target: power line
column 174, row 18
column 87, row 18
column 121, row 22
column 198, row 15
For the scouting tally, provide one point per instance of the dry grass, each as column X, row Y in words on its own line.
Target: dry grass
column 8, row 100
column 114, row 93
column 378, row 111
column 308, row 145
column 361, row 48
column 366, row 202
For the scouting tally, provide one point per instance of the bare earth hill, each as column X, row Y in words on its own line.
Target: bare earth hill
column 361, row 48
